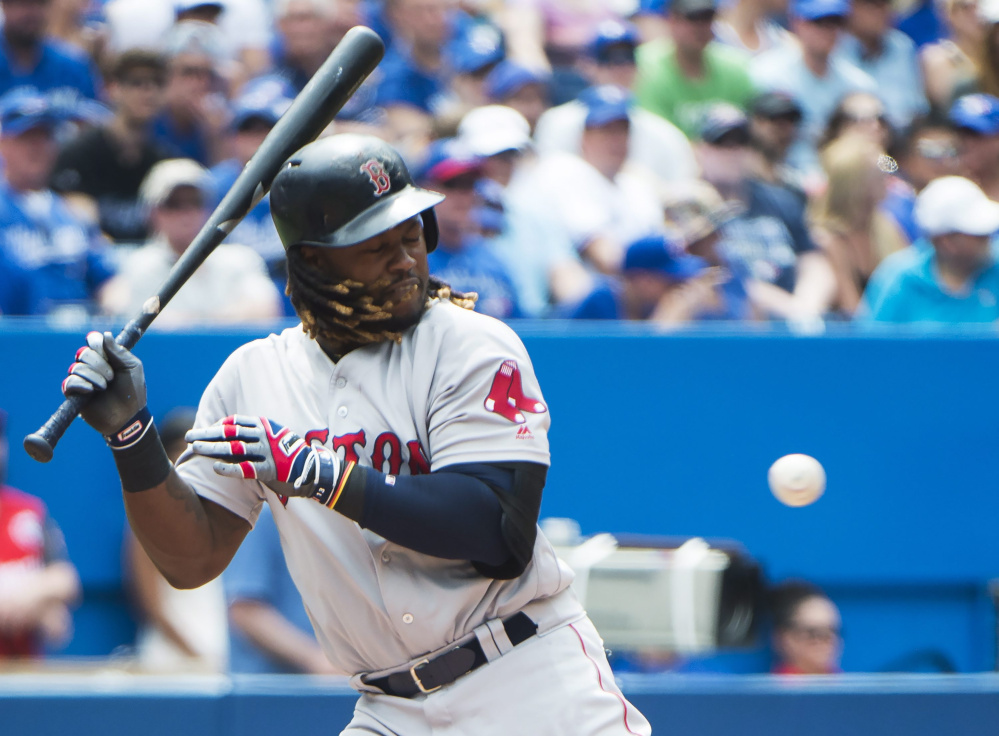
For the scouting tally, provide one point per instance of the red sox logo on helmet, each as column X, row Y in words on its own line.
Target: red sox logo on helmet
column 376, row 173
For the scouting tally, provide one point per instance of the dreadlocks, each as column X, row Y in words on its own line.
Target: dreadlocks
column 344, row 314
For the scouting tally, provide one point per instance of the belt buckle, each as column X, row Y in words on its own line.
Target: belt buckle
column 416, row 677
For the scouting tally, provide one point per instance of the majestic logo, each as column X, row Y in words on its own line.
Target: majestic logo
column 376, row 173
column 524, row 433
column 506, row 395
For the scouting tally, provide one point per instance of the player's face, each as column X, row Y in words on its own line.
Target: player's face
column 392, row 264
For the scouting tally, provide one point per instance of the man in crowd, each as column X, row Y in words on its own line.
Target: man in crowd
column 594, row 197
column 231, row 286
column 38, row 581
column 788, row 277
column 956, row 280
column 811, row 73
column 889, row 56
column 29, row 58
column 774, row 125
column 526, row 90
column 679, row 78
column 976, row 119
column 655, row 143
column 52, row 261
column 102, row 168
column 463, row 257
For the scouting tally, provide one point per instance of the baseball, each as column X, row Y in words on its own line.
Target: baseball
column 797, row 480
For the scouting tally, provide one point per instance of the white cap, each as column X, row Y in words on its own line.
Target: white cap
column 953, row 204
column 988, row 11
column 492, row 129
column 167, row 175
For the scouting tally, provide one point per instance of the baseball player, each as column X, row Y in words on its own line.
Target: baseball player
column 400, row 440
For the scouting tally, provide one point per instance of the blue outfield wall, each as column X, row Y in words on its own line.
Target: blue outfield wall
column 118, row 705
column 669, row 434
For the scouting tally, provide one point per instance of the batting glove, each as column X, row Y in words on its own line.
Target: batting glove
column 260, row 449
column 115, row 378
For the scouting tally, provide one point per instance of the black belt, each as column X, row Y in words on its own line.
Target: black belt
column 428, row 675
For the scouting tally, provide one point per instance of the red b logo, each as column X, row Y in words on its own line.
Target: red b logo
column 376, row 173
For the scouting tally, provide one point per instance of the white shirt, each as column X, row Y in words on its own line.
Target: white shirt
column 654, row 142
column 406, row 408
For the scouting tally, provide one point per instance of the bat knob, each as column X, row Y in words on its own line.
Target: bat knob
column 38, row 447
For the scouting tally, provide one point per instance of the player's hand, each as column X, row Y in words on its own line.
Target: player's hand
column 257, row 448
column 113, row 376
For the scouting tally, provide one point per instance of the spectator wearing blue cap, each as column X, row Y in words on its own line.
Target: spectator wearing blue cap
column 752, row 25
column 952, row 276
column 463, row 257
column 523, row 88
column 102, row 168
column 29, row 57
column 471, row 57
column 888, row 56
column 812, row 74
column 654, row 143
column 788, row 277
column 659, row 283
column 57, row 263
column 976, row 119
column 258, row 108
column 594, row 196
column 680, row 77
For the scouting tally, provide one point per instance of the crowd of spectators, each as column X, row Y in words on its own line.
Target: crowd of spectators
column 670, row 161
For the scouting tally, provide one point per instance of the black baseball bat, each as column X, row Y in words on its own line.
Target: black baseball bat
column 353, row 59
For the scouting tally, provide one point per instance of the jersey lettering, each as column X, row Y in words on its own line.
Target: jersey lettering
column 418, row 463
column 387, row 447
column 349, row 442
column 376, row 173
column 506, row 395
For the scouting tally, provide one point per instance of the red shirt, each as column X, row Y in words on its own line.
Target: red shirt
column 22, row 550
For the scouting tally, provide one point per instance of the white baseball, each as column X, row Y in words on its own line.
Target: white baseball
column 797, row 480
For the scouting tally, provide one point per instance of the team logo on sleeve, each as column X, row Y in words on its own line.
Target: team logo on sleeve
column 506, row 395
column 376, row 173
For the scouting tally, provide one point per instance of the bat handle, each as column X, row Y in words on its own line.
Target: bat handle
column 41, row 444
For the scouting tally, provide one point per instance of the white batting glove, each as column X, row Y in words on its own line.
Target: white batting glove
column 260, row 449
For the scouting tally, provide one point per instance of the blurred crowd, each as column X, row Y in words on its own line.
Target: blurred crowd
column 662, row 160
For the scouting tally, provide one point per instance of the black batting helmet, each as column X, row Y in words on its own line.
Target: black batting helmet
column 341, row 190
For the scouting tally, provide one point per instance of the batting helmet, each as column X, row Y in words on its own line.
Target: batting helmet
column 341, row 190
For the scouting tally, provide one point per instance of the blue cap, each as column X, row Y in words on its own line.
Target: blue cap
column 24, row 109
column 610, row 35
column 979, row 113
column 445, row 159
column 815, row 9
column 266, row 98
column 509, row 78
column 657, row 253
column 475, row 50
column 605, row 104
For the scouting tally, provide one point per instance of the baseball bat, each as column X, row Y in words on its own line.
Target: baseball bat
column 347, row 66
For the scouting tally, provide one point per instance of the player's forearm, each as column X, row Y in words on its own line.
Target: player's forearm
column 189, row 539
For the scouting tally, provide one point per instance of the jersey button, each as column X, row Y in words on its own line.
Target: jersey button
column 386, row 557
column 341, row 412
column 341, row 382
column 407, row 618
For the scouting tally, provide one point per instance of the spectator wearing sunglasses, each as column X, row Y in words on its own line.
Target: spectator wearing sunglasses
column 888, row 56
column 811, row 73
column 807, row 633
column 102, row 168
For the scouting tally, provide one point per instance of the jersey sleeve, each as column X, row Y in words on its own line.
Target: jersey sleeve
column 243, row 497
column 486, row 404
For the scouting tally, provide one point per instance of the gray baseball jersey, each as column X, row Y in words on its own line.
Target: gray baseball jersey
column 459, row 388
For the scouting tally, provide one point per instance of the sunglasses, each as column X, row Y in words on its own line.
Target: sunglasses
column 143, row 82
column 935, row 150
column 818, row 634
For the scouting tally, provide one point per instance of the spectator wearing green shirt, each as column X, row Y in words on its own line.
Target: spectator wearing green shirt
column 681, row 77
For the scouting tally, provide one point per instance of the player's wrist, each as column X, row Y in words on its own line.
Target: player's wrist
column 142, row 464
column 131, row 432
